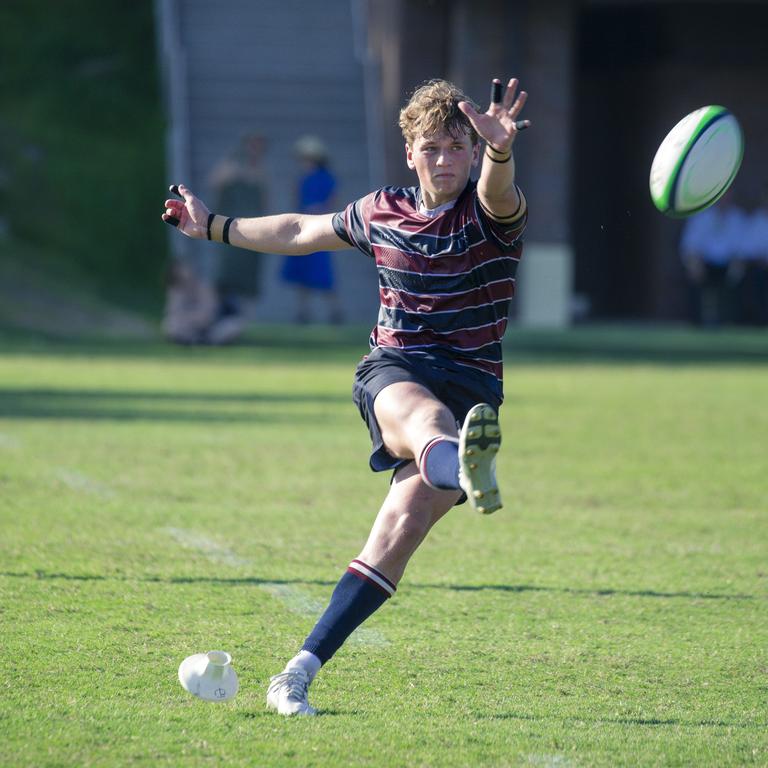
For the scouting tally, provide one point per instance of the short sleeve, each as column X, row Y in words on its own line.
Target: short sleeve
column 353, row 224
column 506, row 233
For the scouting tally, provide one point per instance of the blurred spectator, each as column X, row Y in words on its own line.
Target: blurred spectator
column 712, row 247
column 313, row 274
column 239, row 186
column 191, row 305
column 754, row 293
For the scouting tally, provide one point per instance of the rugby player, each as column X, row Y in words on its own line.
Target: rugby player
column 446, row 252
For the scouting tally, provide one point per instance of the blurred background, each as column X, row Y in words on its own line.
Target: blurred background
column 104, row 104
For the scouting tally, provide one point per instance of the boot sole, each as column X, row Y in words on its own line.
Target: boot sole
column 479, row 442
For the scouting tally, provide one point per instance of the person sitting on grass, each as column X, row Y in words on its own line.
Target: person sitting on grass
column 446, row 252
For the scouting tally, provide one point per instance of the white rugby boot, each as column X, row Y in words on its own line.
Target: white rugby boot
column 287, row 693
column 479, row 442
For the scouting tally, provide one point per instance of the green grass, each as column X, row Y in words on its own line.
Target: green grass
column 157, row 502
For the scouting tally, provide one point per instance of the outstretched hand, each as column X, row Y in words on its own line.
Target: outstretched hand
column 499, row 125
column 190, row 215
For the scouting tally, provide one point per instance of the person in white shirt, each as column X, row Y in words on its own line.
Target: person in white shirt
column 712, row 250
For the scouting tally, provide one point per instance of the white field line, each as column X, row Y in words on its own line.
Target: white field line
column 215, row 552
column 551, row 761
column 295, row 599
column 77, row 481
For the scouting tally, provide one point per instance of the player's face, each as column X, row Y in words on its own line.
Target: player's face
column 442, row 162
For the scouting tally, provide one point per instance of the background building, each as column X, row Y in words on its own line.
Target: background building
column 607, row 79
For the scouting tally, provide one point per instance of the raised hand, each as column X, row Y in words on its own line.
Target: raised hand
column 499, row 125
column 190, row 216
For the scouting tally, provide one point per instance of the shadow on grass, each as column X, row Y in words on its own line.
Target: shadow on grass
column 305, row 347
column 255, row 581
column 129, row 405
column 594, row 592
column 257, row 714
column 648, row 721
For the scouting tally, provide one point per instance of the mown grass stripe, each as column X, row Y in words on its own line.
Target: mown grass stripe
column 294, row 599
column 80, row 482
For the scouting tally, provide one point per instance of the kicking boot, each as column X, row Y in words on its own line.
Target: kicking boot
column 287, row 693
column 479, row 443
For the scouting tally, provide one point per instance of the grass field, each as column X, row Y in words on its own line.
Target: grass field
column 158, row 502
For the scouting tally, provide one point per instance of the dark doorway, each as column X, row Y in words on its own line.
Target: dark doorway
column 640, row 68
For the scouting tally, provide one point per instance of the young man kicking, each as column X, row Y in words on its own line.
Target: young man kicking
column 446, row 252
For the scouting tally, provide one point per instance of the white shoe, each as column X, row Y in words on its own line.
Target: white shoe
column 287, row 693
column 479, row 443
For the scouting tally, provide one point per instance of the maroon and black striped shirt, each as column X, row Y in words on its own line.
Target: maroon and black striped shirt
column 445, row 280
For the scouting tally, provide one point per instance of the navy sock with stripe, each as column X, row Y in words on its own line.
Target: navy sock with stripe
column 361, row 591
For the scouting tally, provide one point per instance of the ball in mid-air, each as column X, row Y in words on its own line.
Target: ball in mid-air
column 697, row 162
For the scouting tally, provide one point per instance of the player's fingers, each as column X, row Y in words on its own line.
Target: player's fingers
column 509, row 94
column 521, row 125
column 519, row 104
column 181, row 191
column 185, row 193
column 468, row 109
column 496, row 89
column 172, row 220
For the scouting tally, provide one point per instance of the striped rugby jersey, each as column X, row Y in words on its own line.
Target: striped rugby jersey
column 445, row 281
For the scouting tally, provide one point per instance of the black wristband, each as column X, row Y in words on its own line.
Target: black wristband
column 225, row 231
column 491, row 157
column 211, row 217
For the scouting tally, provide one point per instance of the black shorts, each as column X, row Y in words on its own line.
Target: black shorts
column 457, row 386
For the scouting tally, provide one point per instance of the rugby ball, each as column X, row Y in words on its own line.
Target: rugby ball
column 696, row 162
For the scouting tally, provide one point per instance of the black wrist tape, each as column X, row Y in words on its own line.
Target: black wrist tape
column 495, row 160
column 211, row 217
column 225, row 231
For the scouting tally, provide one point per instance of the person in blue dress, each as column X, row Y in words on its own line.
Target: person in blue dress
column 313, row 274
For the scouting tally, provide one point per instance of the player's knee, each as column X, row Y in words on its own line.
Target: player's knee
column 418, row 428
column 436, row 419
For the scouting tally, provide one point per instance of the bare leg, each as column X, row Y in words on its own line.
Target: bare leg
column 409, row 415
column 408, row 513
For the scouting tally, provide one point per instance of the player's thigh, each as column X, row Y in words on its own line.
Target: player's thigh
column 408, row 415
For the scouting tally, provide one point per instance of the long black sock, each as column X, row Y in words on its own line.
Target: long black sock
column 360, row 592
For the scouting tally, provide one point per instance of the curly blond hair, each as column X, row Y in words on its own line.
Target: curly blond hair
column 434, row 107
